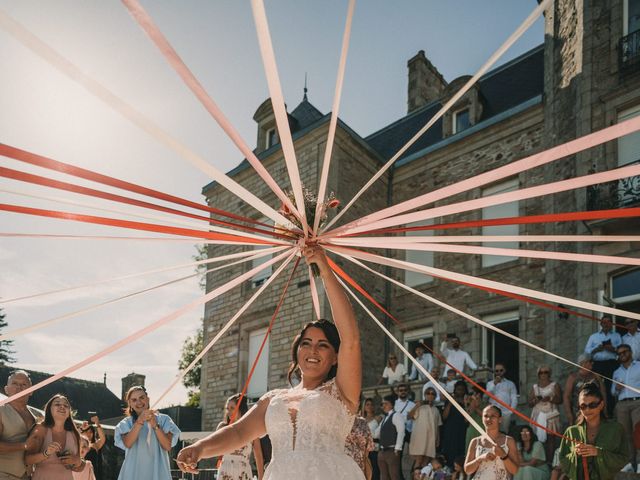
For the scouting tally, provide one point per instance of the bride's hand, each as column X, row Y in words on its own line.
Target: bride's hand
column 315, row 254
column 188, row 457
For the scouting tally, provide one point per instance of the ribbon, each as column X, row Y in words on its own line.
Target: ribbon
column 335, row 110
column 445, row 108
column 146, row 330
column 264, row 341
column 570, row 148
column 68, row 169
column 279, row 107
column 474, row 319
column 523, row 194
column 70, row 187
column 252, row 254
column 153, row 32
column 21, row 331
column 523, row 220
column 477, row 250
column 222, row 237
column 415, row 239
column 54, row 58
column 225, row 328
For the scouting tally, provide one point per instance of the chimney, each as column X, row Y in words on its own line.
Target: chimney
column 426, row 84
column 133, row 379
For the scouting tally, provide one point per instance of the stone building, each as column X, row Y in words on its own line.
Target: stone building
column 583, row 78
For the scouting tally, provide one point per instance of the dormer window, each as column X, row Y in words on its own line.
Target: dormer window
column 271, row 138
column 461, row 120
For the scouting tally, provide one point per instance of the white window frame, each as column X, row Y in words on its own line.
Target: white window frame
column 412, row 335
column 454, row 126
column 260, row 380
column 625, row 18
column 622, row 300
column 623, row 115
column 421, row 257
column 503, row 187
column 495, row 319
column 267, row 138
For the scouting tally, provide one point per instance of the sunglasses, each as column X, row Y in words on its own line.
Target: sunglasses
column 590, row 406
column 431, row 394
column 499, row 370
column 544, row 371
column 622, row 352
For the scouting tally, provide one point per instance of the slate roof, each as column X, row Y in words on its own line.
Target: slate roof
column 500, row 90
column 305, row 114
column 85, row 396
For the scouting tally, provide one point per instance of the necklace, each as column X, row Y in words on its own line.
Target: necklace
column 592, row 433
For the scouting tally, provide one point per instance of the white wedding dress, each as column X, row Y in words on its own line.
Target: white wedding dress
column 308, row 429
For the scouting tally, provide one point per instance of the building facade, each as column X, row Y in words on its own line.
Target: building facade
column 586, row 76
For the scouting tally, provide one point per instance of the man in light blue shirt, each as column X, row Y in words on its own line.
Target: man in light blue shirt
column 425, row 359
column 602, row 348
column 627, row 408
column 632, row 337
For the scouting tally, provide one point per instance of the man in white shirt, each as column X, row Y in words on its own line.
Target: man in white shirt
column 425, row 359
column 632, row 337
column 627, row 408
column 456, row 357
column 403, row 406
column 391, row 434
column 602, row 348
column 505, row 390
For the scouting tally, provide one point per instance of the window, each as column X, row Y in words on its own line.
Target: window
column 625, row 291
column 631, row 13
column 258, row 384
column 271, row 138
column 461, row 120
column 260, row 277
column 412, row 338
column 629, row 145
column 496, row 348
column 500, row 211
column 412, row 279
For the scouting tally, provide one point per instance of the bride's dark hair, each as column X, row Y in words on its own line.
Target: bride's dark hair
column 330, row 331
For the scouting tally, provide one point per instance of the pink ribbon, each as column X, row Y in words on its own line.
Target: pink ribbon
column 146, row 330
column 279, row 108
column 511, row 169
column 445, row 108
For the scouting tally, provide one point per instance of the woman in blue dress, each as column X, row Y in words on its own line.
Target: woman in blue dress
column 146, row 436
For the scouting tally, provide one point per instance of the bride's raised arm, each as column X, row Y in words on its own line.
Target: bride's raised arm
column 349, row 376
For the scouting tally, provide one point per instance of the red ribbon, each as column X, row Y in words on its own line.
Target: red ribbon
column 149, row 227
column 522, row 220
column 264, row 341
column 70, row 187
column 45, row 162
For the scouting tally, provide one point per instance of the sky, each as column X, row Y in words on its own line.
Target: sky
column 43, row 111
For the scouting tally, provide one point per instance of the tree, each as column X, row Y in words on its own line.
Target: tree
column 5, row 345
column 202, row 254
column 191, row 347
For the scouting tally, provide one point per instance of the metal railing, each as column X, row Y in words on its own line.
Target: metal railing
column 629, row 53
column 617, row 194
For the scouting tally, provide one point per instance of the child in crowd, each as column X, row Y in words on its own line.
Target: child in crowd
column 87, row 473
column 439, row 470
column 458, row 469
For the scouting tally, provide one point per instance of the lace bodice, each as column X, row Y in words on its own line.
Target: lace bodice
column 308, row 420
column 494, row 469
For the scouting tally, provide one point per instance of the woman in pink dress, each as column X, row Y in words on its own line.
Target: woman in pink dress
column 53, row 445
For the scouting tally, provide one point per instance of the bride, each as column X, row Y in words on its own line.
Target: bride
column 307, row 424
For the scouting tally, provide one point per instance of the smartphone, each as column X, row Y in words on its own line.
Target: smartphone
column 606, row 342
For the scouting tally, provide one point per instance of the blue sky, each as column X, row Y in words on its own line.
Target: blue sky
column 46, row 113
